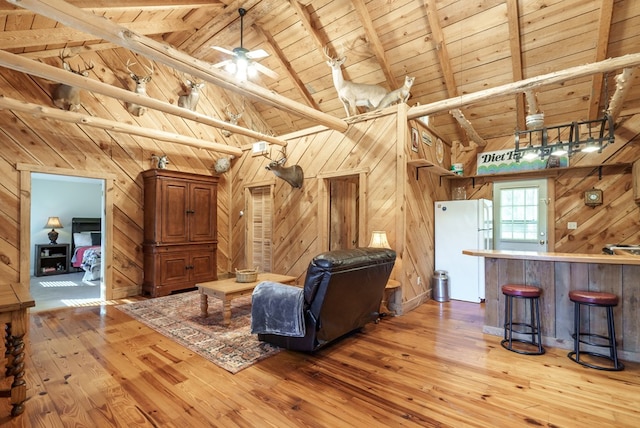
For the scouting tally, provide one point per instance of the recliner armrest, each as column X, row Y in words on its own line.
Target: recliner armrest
column 277, row 309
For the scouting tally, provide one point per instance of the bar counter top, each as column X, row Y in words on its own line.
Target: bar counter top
column 557, row 257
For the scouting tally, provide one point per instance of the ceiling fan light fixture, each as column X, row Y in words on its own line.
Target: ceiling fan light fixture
column 242, row 68
column 231, row 67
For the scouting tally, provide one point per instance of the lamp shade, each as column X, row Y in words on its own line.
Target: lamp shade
column 379, row 239
column 53, row 222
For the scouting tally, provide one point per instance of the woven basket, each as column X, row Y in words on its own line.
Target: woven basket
column 246, row 275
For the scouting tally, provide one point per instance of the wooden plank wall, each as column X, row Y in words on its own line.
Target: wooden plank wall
column 368, row 144
column 53, row 145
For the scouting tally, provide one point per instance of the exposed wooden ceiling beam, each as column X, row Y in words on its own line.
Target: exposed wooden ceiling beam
column 75, row 50
column 374, row 41
column 163, row 53
column 604, row 29
column 515, row 47
column 39, row 111
column 624, row 81
column 125, row 5
column 224, row 27
column 611, row 64
column 284, row 63
column 466, row 125
column 443, row 56
column 57, row 74
column 62, row 35
column 305, row 20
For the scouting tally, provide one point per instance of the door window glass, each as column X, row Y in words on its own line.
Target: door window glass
column 519, row 214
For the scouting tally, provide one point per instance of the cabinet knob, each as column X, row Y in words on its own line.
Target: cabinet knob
column 190, row 212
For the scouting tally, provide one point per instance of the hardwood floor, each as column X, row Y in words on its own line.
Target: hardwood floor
column 96, row 367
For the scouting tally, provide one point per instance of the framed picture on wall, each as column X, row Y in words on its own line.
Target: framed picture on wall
column 426, row 138
column 415, row 136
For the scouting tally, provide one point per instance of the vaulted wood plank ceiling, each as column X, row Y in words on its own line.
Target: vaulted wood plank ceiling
column 452, row 47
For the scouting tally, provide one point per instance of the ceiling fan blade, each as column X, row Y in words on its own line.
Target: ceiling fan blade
column 223, row 63
column 220, row 49
column 257, row 54
column 264, row 70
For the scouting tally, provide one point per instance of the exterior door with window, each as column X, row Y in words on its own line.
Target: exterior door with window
column 520, row 215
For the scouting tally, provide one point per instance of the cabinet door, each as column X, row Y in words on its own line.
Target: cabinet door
column 174, row 267
column 203, row 210
column 203, row 265
column 174, row 217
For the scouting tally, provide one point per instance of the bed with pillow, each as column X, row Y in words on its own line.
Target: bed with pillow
column 86, row 246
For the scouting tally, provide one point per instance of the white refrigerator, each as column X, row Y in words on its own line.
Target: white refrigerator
column 463, row 225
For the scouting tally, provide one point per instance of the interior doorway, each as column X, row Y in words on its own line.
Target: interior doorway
column 26, row 201
column 67, row 198
column 344, row 217
column 520, row 215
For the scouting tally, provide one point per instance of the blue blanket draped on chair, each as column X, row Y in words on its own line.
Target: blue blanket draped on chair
column 277, row 309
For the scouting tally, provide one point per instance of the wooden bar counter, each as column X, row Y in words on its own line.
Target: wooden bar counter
column 557, row 274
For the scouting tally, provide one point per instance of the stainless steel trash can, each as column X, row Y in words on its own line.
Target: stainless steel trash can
column 440, row 286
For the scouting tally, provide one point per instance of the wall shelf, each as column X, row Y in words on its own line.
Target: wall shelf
column 548, row 172
column 431, row 168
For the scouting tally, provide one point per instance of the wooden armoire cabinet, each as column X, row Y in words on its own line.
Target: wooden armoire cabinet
column 180, row 233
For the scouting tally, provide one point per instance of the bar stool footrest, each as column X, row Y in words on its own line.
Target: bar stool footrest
column 593, row 335
column 530, row 329
column 572, row 356
column 505, row 345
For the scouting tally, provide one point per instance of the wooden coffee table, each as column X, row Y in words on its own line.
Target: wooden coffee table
column 228, row 289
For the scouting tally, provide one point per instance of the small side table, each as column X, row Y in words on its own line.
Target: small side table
column 392, row 286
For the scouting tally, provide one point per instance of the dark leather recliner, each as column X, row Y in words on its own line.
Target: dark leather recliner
column 342, row 292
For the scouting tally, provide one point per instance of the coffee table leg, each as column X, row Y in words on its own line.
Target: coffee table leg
column 204, row 305
column 226, row 311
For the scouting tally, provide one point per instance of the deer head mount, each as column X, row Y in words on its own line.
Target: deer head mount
column 231, row 118
column 190, row 98
column 162, row 161
column 291, row 174
column 140, row 88
column 353, row 94
column 67, row 97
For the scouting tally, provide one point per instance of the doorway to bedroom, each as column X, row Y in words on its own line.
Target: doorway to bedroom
column 75, row 206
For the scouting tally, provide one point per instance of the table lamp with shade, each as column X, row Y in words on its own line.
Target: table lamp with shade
column 53, row 223
column 379, row 240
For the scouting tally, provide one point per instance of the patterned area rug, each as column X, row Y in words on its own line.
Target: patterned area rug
column 178, row 317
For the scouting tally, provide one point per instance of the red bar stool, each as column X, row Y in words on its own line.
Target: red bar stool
column 599, row 300
column 532, row 327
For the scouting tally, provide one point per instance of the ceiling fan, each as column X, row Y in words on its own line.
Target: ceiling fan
column 243, row 65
